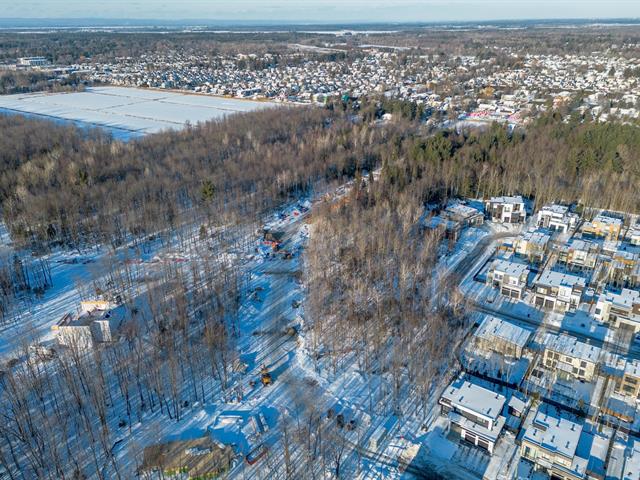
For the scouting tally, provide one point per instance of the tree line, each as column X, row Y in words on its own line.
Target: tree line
column 18, row 81
column 63, row 185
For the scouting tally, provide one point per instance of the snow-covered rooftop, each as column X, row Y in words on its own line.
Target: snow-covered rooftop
column 572, row 347
column 555, row 209
column 537, row 237
column 632, row 462
column 508, row 267
column 462, row 210
column 554, row 433
column 507, row 199
column 632, row 367
column 625, row 299
column 493, row 327
column 552, row 278
column 581, row 244
column 474, row 398
column 607, row 220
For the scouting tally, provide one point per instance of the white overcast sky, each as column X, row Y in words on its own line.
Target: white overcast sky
column 325, row 11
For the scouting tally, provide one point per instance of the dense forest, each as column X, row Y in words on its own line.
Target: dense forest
column 60, row 184
column 596, row 164
column 16, row 81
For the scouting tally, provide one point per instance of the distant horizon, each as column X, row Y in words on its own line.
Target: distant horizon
column 316, row 12
column 104, row 22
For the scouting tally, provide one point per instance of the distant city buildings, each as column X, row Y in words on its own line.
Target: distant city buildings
column 28, row 62
column 491, row 92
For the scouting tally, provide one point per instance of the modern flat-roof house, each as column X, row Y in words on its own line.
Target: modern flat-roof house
column 631, row 470
column 565, row 448
column 569, row 357
column 447, row 228
column 629, row 384
column 557, row 218
column 505, row 338
column 620, row 309
column 453, row 219
column 579, row 254
column 96, row 323
column 550, row 443
column 475, row 412
column 510, row 277
column 558, row 291
column 603, row 225
column 506, row 209
column 623, row 269
column 533, row 245
column 465, row 215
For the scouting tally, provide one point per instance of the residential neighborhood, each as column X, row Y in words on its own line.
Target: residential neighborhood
column 556, row 332
column 488, row 92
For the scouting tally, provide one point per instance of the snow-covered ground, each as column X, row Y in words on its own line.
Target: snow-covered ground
column 270, row 305
column 138, row 111
column 272, row 301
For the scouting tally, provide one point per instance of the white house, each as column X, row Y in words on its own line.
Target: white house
column 96, row 323
column 619, row 308
column 550, row 442
column 506, row 209
column 475, row 412
column 557, row 218
column 558, row 291
column 510, row 277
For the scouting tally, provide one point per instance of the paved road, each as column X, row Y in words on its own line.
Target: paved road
column 466, row 264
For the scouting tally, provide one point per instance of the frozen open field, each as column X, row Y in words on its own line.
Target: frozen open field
column 128, row 112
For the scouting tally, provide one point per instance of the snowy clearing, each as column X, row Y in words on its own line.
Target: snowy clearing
column 132, row 110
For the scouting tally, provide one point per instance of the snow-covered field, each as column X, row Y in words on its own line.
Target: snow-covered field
column 133, row 110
